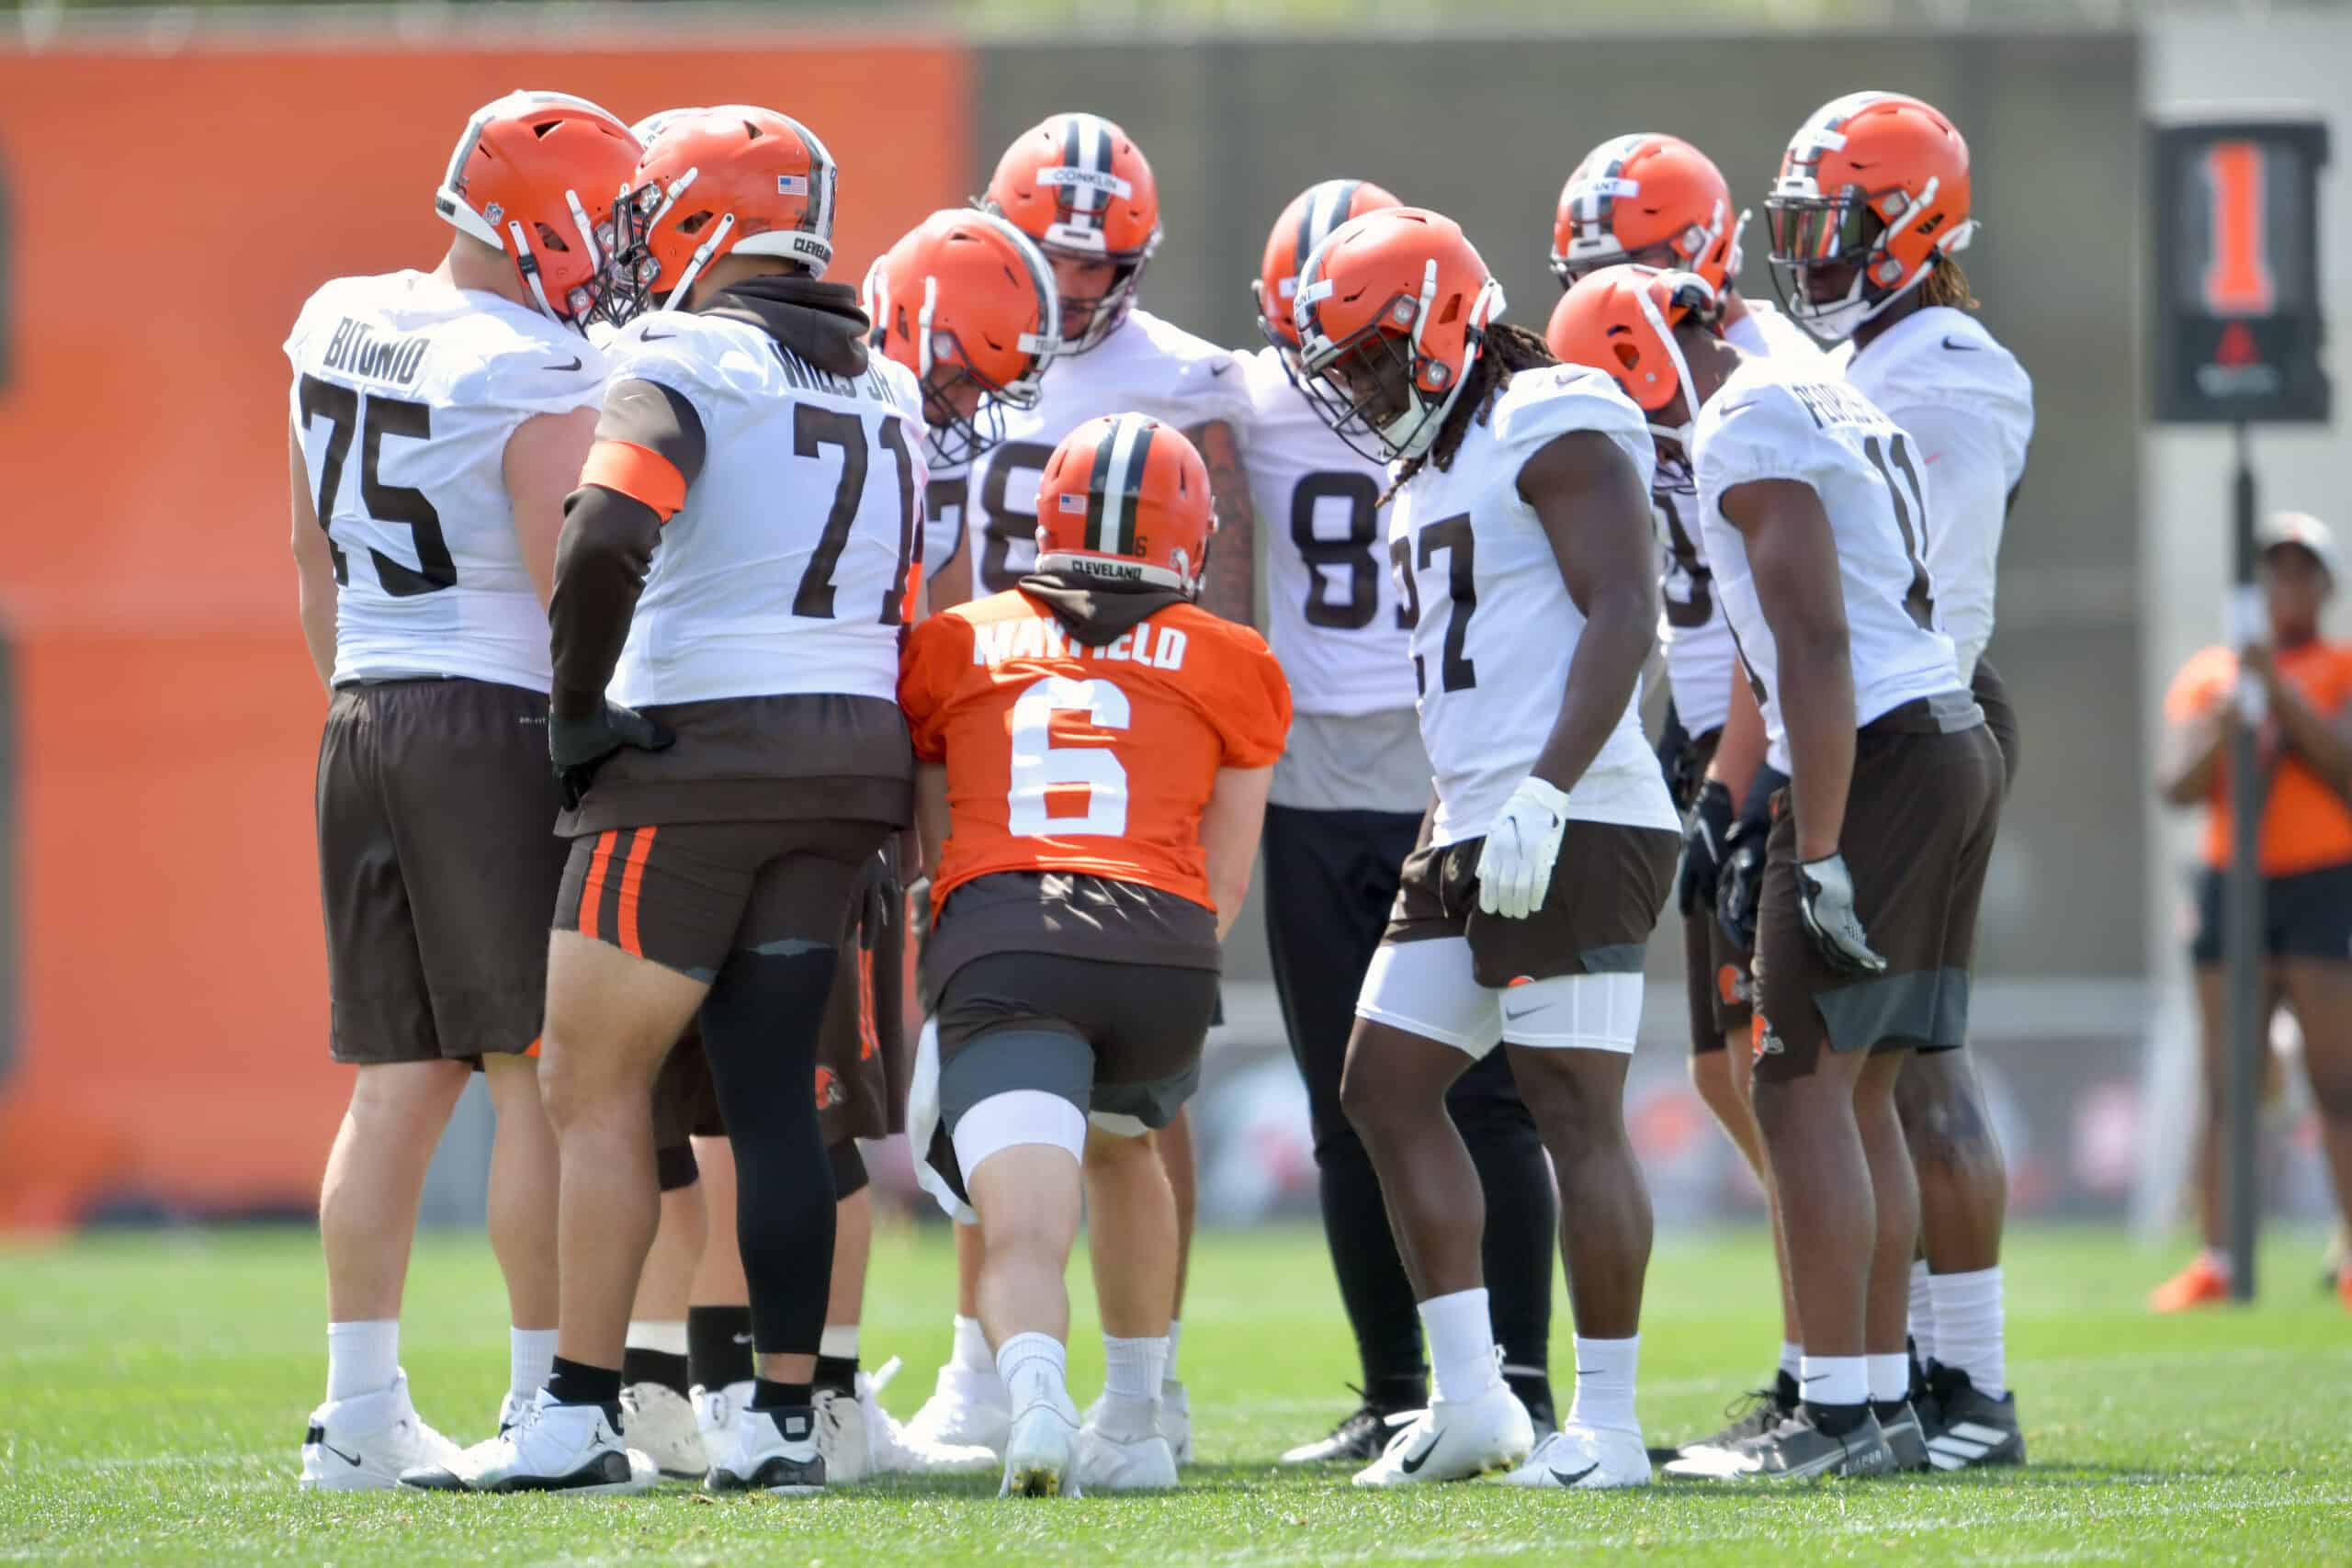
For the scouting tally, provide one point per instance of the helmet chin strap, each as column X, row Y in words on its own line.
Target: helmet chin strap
column 1679, row 434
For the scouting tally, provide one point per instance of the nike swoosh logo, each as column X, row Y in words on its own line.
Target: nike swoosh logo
column 1956, row 346
column 1524, row 1013
column 1564, row 1479
column 573, row 365
column 351, row 1459
column 1217, row 370
column 742, row 1339
column 1411, row 1463
column 650, row 335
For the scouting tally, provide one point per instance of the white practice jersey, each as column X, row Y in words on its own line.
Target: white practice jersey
column 406, row 391
column 1700, row 656
column 1146, row 366
column 1334, row 615
column 1769, row 421
column 942, row 516
column 785, row 570
column 1968, row 405
column 1494, row 629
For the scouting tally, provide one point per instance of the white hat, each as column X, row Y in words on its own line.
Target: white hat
column 2303, row 529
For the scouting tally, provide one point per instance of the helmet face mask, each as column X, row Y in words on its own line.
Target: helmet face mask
column 1363, row 388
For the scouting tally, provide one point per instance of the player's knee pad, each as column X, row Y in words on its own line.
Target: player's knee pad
column 1013, row 1119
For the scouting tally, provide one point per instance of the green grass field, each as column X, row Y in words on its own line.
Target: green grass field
column 154, row 1390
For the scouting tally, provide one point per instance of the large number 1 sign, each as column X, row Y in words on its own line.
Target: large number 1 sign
column 2237, row 273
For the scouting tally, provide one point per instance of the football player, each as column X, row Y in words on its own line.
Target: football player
column 1659, row 201
column 734, row 565
column 1520, row 530
column 1869, row 211
column 1079, row 187
column 1095, row 754
column 1344, row 812
column 1812, row 513
column 437, row 419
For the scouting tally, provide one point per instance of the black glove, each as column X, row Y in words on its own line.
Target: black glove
column 1706, row 832
column 1677, row 759
column 1740, row 884
column 1825, row 904
column 578, row 746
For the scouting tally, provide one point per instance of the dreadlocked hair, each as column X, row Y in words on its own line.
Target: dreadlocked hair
column 1947, row 285
column 1507, row 349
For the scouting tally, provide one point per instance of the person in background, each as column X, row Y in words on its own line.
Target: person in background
column 2302, row 702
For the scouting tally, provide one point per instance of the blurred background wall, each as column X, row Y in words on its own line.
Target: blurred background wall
column 173, row 182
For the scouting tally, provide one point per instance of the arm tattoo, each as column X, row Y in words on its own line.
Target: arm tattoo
column 1230, row 589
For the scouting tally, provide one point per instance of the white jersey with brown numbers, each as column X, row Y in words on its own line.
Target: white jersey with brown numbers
column 1701, row 657
column 1769, row 421
column 1334, row 613
column 1968, row 406
column 406, row 391
column 942, row 516
column 786, row 569
column 1146, row 366
column 1494, row 627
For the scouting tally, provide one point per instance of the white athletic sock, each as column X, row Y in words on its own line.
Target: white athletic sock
column 1968, row 1327
column 1791, row 1359
column 1835, row 1379
column 1605, row 1370
column 1923, row 1309
column 1034, row 1366
column 1462, row 1344
column 2217, row 1258
column 972, row 1353
column 1132, row 1372
column 530, row 1360
column 1890, row 1377
column 653, row 1334
column 839, row 1341
column 1175, row 1335
column 362, row 1358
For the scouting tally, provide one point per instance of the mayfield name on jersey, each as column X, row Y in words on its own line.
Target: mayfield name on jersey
column 406, row 391
column 1768, row 420
column 1148, row 367
column 1494, row 629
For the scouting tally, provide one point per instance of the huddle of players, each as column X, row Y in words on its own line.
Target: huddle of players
column 733, row 772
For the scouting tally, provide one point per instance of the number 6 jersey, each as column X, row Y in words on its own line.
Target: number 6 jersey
column 406, row 390
column 1098, row 760
column 1494, row 627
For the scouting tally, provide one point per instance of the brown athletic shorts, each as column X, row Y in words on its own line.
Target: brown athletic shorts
column 1992, row 695
column 1920, row 816
column 438, row 865
column 1607, row 886
column 686, row 895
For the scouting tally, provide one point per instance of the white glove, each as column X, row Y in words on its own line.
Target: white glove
column 1515, row 868
column 1825, row 904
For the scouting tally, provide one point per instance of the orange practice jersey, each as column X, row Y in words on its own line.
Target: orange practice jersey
column 2305, row 824
column 1062, row 757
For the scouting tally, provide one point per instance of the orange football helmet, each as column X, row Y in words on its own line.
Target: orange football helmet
column 1872, row 194
column 654, row 124
column 1653, row 199
column 732, row 178
column 1621, row 320
column 1080, row 187
column 966, row 293
column 1391, row 314
column 1305, row 223
column 515, row 184
column 1126, row 498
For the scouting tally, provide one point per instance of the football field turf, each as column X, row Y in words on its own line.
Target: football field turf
column 154, row 1390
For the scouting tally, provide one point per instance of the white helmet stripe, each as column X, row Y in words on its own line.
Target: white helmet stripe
column 1129, row 437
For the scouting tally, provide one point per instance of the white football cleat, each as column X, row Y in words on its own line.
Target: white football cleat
column 892, row 1450
column 1176, row 1419
column 510, row 1408
column 966, row 1408
column 1041, row 1449
column 571, row 1448
column 716, row 1412
column 1453, row 1440
column 1585, row 1459
column 773, row 1450
column 1107, row 1463
column 842, row 1438
column 365, row 1444
column 660, row 1422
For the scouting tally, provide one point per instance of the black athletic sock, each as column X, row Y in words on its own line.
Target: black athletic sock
column 640, row 1365
column 759, row 1028
column 1401, row 1390
column 837, row 1374
column 576, row 1382
column 719, row 1345
column 1889, row 1409
column 767, row 1394
column 1837, row 1419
